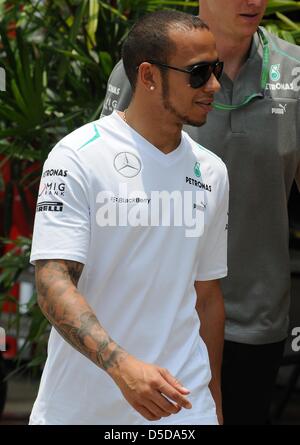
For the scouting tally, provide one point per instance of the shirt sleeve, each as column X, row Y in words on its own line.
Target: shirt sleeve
column 213, row 255
column 118, row 93
column 62, row 221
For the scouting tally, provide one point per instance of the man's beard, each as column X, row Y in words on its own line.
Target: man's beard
column 185, row 120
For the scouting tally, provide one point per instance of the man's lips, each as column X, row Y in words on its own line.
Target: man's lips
column 205, row 105
column 207, row 101
column 250, row 16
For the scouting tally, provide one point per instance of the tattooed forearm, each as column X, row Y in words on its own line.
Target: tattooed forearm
column 58, row 269
column 69, row 312
column 74, row 270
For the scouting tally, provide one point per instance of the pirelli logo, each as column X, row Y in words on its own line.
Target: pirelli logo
column 49, row 206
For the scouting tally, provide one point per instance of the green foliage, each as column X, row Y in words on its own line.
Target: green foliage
column 57, row 67
column 27, row 323
column 282, row 18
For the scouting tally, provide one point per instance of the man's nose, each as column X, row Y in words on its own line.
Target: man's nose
column 256, row 3
column 212, row 85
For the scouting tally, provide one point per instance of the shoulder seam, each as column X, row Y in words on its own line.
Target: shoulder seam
column 94, row 138
column 282, row 52
column 211, row 153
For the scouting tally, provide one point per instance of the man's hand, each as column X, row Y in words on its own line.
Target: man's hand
column 151, row 390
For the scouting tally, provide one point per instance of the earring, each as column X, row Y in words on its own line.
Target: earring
column 152, row 87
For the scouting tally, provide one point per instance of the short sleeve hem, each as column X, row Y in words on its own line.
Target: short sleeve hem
column 212, row 275
column 57, row 256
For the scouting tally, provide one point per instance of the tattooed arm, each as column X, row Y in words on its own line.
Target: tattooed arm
column 146, row 387
column 68, row 311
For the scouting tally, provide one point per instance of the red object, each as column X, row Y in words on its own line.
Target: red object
column 9, row 305
column 11, row 347
column 22, row 221
column 12, row 26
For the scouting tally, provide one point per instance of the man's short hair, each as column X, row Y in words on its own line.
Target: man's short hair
column 149, row 39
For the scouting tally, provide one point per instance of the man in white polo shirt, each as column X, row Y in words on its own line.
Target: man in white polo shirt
column 129, row 243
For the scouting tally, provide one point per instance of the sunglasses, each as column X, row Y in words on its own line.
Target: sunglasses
column 199, row 73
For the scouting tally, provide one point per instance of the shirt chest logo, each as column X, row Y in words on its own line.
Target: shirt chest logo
column 127, row 164
column 281, row 109
column 197, row 170
column 199, row 182
column 275, row 72
column 290, row 83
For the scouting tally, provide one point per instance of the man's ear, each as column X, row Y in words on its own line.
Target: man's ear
column 148, row 76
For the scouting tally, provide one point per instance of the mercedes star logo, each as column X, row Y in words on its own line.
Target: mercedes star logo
column 127, row 164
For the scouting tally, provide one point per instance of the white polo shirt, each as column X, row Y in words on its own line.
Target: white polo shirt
column 145, row 225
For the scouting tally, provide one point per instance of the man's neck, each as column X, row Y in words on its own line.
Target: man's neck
column 153, row 127
column 233, row 54
column 232, row 50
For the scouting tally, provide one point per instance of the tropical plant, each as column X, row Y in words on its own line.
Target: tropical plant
column 58, row 55
column 282, row 18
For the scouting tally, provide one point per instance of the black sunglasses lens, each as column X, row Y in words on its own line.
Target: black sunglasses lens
column 201, row 74
column 218, row 70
